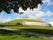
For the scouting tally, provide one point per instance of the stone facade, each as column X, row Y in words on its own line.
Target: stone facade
column 35, row 23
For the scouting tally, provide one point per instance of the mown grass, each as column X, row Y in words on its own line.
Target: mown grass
column 9, row 35
column 20, row 20
column 21, row 37
column 29, row 27
column 37, row 29
column 13, row 24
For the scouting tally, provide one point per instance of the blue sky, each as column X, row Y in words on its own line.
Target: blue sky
column 43, row 12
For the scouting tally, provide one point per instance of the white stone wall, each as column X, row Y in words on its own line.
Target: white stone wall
column 35, row 23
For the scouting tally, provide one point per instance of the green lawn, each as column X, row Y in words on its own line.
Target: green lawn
column 39, row 29
column 12, row 24
column 29, row 27
column 17, row 36
column 22, row 37
column 8, row 35
column 20, row 20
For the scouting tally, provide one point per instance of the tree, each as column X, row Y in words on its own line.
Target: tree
column 7, row 5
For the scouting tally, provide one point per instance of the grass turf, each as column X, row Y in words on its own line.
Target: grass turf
column 20, row 20
column 9, row 35
column 29, row 27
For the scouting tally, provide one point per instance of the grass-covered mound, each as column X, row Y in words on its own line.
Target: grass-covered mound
column 13, row 22
column 9, row 35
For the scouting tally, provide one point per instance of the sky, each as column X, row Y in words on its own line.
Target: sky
column 44, row 12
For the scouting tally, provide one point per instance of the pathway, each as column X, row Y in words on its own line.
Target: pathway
column 27, row 32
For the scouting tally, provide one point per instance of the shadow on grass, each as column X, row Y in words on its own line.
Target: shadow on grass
column 10, row 33
column 43, row 31
column 22, row 32
column 8, row 25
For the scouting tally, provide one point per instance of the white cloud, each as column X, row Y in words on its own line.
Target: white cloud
column 49, row 13
column 21, row 10
column 6, row 20
column 35, row 14
column 49, row 2
column 47, row 19
column 51, row 23
column 2, row 19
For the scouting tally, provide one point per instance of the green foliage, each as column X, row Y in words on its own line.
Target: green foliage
column 7, row 5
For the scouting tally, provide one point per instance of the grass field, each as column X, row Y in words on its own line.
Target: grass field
column 20, row 20
column 9, row 35
column 29, row 27
column 12, row 24
column 22, row 37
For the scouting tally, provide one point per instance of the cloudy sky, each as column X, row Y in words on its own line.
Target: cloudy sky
column 44, row 12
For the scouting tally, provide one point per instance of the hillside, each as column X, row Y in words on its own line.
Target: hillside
column 12, row 35
column 13, row 22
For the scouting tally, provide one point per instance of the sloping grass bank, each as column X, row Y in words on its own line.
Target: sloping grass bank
column 13, row 22
column 41, row 31
column 9, row 35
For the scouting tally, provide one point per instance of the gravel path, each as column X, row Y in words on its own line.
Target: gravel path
column 8, row 28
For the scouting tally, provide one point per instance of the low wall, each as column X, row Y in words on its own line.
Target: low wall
column 35, row 23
